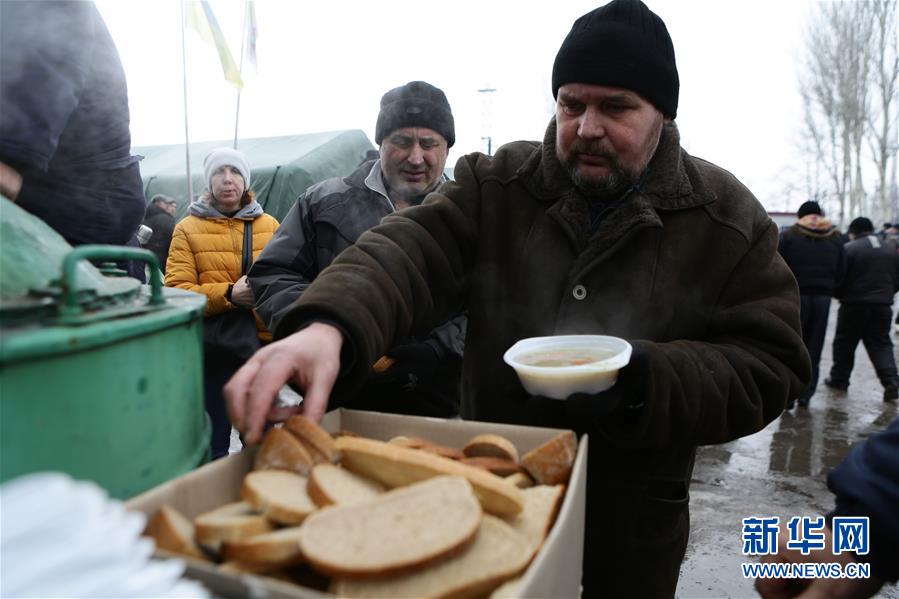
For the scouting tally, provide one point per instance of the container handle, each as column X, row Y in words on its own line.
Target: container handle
column 107, row 252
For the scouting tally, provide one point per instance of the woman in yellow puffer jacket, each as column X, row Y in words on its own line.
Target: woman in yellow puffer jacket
column 206, row 256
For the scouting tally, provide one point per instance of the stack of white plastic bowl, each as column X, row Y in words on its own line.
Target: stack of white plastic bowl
column 65, row 538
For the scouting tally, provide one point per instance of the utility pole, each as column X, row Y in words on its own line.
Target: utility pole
column 487, row 115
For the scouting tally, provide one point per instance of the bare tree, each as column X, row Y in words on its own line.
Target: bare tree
column 882, row 123
column 834, row 88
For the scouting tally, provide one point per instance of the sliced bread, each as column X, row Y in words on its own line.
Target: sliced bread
column 173, row 532
column 279, row 548
column 498, row 466
column 396, row 466
column 395, row 533
column 522, row 480
column 550, row 463
column 508, row 590
column 229, row 522
column 541, row 505
column 280, row 495
column 267, row 570
column 282, row 451
column 497, row 554
column 317, row 441
column 425, row 445
column 490, row 445
column 333, row 485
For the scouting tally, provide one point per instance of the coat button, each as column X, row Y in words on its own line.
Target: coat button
column 579, row 292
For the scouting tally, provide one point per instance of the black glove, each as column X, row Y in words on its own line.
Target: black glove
column 628, row 395
column 415, row 366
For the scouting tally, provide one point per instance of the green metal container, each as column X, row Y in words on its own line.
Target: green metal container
column 100, row 377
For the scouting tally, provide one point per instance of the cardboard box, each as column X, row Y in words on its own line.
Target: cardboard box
column 555, row 571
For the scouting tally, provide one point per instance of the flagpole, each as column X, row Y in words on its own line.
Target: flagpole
column 243, row 41
column 190, row 184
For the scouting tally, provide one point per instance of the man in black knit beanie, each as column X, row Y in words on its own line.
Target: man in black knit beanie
column 606, row 227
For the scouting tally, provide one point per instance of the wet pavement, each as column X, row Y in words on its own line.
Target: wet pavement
column 779, row 471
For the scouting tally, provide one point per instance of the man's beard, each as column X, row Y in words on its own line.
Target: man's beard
column 609, row 187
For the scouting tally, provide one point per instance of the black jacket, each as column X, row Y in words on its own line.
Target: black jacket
column 814, row 256
column 325, row 220
column 866, row 483
column 871, row 273
column 163, row 224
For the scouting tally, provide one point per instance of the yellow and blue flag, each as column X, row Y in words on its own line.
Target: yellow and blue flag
column 201, row 19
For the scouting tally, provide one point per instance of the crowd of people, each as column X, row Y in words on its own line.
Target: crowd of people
column 861, row 270
column 395, row 289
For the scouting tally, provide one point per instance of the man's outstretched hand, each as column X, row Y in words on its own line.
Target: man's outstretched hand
column 310, row 359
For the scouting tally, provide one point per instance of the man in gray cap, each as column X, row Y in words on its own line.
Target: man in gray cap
column 419, row 374
column 606, row 227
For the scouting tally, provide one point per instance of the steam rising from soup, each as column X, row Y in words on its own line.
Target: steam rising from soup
column 574, row 356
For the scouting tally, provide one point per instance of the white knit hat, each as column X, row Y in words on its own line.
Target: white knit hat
column 220, row 157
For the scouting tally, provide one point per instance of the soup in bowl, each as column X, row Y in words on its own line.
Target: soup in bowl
column 561, row 365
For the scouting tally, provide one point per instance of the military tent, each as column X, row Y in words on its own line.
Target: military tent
column 282, row 167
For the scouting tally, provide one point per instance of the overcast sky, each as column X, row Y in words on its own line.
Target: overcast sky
column 324, row 65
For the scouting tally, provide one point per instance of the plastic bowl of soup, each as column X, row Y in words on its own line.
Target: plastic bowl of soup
column 562, row 365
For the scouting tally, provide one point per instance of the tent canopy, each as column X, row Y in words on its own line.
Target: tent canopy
column 282, row 167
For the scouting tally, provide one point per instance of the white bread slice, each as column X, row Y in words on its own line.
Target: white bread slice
column 425, row 445
column 508, row 590
column 497, row 554
column 550, row 463
column 522, row 480
column 317, row 441
column 282, row 451
column 541, row 505
column 173, row 532
column 278, row 494
column 490, row 445
column 498, row 466
column 229, row 522
column 280, row 548
column 330, row 485
column 401, row 530
column 396, row 466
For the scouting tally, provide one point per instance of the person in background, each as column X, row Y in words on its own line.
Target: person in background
column 65, row 143
column 420, row 374
column 813, row 249
column 866, row 484
column 160, row 217
column 865, row 289
column 607, row 227
column 206, row 256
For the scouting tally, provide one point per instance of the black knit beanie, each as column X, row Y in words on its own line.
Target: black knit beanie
column 809, row 207
column 416, row 104
column 861, row 225
column 622, row 44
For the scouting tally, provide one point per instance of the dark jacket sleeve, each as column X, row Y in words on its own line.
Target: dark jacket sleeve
column 45, row 59
column 286, row 266
column 866, row 483
column 733, row 381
